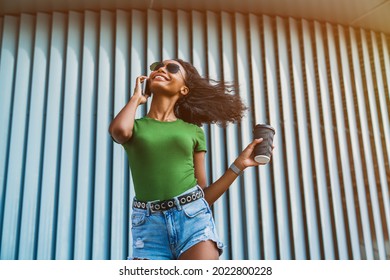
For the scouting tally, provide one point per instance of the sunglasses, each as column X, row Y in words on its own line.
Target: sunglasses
column 171, row 67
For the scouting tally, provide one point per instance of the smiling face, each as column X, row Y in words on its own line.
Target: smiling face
column 168, row 78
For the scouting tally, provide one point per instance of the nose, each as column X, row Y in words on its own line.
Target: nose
column 162, row 69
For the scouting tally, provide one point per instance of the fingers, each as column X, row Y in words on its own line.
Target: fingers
column 146, row 96
column 142, row 78
column 139, row 80
column 247, row 152
column 255, row 142
column 247, row 156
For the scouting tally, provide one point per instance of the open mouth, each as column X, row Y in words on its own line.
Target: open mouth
column 160, row 78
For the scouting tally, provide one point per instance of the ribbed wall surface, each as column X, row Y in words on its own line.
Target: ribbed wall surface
column 65, row 186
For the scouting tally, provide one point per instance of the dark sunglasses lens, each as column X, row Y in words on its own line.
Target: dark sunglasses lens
column 155, row 66
column 173, row 68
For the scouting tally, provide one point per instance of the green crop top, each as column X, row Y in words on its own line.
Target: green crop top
column 161, row 157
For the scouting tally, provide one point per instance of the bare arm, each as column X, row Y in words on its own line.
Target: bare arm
column 121, row 127
column 219, row 187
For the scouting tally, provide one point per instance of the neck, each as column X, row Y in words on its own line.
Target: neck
column 162, row 109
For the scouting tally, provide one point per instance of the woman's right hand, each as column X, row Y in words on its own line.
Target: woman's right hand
column 121, row 127
column 138, row 94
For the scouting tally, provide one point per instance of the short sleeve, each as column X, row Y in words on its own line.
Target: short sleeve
column 200, row 140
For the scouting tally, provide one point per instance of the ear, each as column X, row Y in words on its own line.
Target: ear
column 184, row 90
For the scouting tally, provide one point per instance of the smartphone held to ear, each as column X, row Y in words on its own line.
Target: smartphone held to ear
column 145, row 87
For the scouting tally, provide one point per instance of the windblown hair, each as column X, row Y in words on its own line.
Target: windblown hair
column 208, row 101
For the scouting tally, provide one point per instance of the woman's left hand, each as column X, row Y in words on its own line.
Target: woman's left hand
column 246, row 158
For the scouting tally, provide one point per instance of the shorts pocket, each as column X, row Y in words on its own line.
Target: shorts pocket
column 137, row 219
column 195, row 208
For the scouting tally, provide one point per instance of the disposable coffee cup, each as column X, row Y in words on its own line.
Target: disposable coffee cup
column 263, row 150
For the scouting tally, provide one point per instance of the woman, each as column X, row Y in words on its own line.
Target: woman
column 171, row 216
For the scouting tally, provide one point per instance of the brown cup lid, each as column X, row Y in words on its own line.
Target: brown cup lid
column 264, row 125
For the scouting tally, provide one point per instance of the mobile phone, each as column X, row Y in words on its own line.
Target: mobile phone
column 145, row 87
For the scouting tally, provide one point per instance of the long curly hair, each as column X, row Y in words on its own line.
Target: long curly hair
column 208, row 101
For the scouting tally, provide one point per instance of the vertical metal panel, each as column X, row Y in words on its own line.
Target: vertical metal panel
column 154, row 40
column 52, row 140
column 18, row 138
column 292, row 162
column 198, row 39
column 278, row 155
column 326, row 226
column 384, row 120
column 259, row 96
column 356, row 154
column 235, row 244
column 198, row 54
column 137, row 68
column 153, row 33
column 184, row 35
column 8, row 65
column 1, row 32
column 103, row 163
column 372, row 93
column 343, row 151
column 120, row 170
column 138, row 46
column 68, row 175
column 168, row 31
column 86, row 154
column 386, row 62
column 381, row 92
column 377, row 141
column 366, row 140
column 249, row 187
column 330, row 142
column 305, row 154
column 65, row 187
column 217, row 143
column 29, row 219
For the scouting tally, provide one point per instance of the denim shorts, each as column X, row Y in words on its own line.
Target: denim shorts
column 165, row 235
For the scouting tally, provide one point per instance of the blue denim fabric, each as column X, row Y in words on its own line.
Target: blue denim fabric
column 165, row 235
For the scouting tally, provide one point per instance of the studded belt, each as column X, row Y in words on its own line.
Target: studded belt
column 163, row 205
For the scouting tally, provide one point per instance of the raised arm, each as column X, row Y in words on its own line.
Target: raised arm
column 121, row 127
column 219, row 187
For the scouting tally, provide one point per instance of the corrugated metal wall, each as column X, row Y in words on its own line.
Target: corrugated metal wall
column 65, row 186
